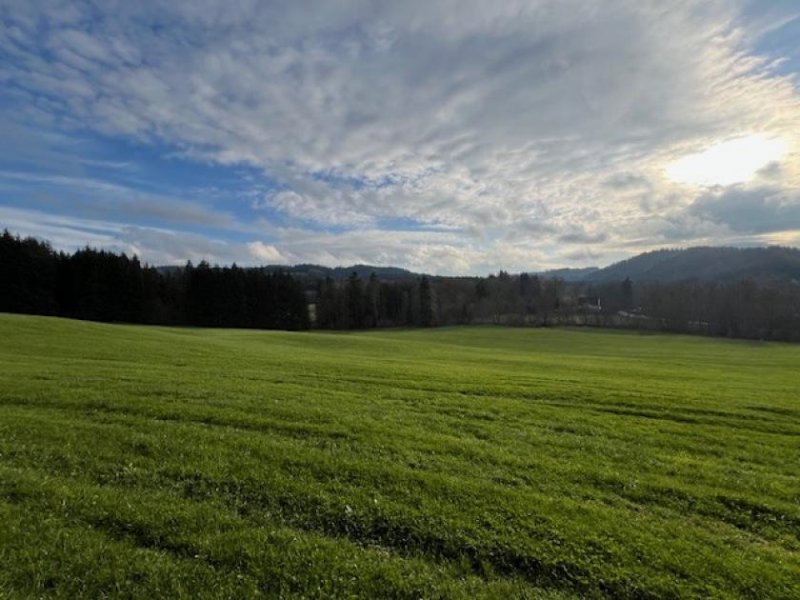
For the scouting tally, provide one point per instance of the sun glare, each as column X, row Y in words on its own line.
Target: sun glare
column 727, row 163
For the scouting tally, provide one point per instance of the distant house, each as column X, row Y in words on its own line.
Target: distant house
column 591, row 303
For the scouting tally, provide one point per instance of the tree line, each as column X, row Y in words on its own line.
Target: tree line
column 104, row 286
column 431, row 301
column 358, row 304
column 753, row 309
column 98, row 285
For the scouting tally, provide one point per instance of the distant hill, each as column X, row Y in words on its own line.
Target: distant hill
column 707, row 263
column 571, row 274
column 339, row 273
column 704, row 263
column 316, row 272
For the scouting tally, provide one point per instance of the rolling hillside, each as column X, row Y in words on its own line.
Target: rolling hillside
column 702, row 263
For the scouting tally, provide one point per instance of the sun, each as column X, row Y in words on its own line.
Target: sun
column 728, row 163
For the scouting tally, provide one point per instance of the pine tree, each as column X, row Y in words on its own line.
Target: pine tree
column 426, row 303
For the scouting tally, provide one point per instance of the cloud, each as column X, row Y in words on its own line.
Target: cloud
column 265, row 253
column 582, row 236
column 626, row 181
column 526, row 129
column 156, row 246
column 63, row 232
column 751, row 210
column 438, row 252
column 97, row 198
column 583, row 256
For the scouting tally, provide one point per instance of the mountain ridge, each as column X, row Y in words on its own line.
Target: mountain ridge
column 707, row 263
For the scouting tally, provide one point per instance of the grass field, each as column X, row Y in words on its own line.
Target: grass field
column 466, row 462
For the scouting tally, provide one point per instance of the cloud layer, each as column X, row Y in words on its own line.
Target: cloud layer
column 445, row 136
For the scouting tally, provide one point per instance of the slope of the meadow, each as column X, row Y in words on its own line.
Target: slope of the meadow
column 468, row 462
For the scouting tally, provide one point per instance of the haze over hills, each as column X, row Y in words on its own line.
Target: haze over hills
column 705, row 263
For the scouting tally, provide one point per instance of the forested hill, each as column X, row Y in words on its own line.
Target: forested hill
column 702, row 263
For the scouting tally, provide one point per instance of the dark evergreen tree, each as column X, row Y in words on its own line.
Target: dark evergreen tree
column 627, row 293
column 427, row 313
column 371, row 299
column 355, row 301
column 28, row 275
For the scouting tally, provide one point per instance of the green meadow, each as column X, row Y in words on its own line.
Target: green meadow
column 488, row 462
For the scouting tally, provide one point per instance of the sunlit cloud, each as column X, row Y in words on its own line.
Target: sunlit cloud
column 730, row 162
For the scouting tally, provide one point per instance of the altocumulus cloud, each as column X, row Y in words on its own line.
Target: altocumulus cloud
column 445, row 136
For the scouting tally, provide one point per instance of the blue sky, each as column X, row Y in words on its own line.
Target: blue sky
column 446, row 137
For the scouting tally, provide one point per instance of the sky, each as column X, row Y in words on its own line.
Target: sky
column 445, row 137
